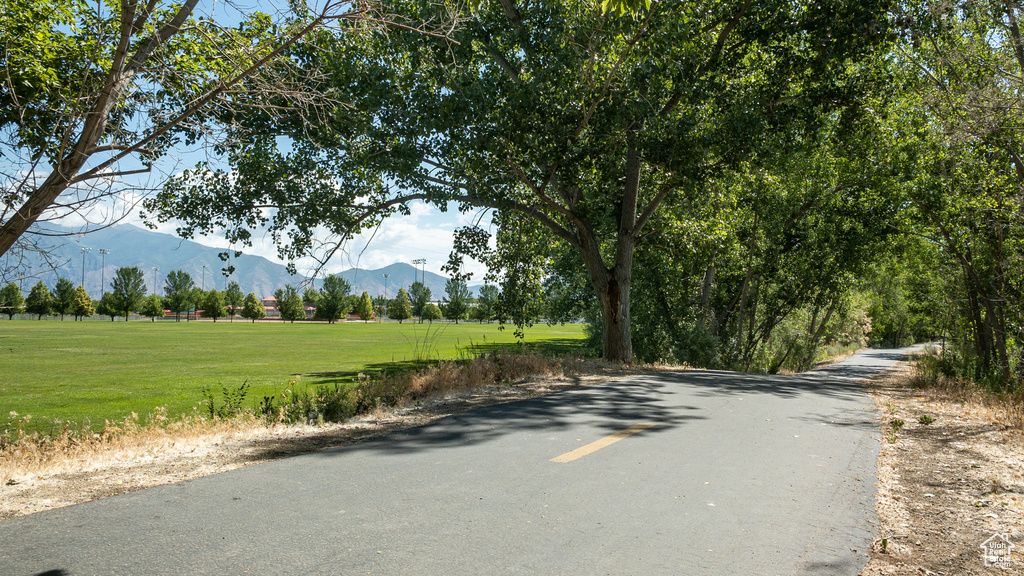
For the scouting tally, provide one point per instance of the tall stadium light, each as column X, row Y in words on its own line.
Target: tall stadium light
column 103, row 268
column 386, row 276
column 204, row 277
column 422, row 262
column 84, row 252
column 155, row 270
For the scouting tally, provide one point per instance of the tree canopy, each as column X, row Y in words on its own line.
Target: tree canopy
column 573, row 125
column 95, row 94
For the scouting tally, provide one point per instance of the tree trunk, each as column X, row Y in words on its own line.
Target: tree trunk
column 612, row 286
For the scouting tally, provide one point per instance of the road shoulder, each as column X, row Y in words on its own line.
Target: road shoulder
column 949, row 480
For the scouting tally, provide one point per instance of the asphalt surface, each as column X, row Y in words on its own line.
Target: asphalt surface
column 726, row 474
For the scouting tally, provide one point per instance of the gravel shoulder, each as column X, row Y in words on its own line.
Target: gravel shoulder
column 950, row 478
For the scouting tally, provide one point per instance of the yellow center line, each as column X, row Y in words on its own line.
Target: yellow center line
column 602, row 443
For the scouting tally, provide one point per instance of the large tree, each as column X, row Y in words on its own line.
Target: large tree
column 568, row 122
column 94, row 94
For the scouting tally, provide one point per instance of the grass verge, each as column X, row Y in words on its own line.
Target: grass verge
column 88, row 373
column 25, row 454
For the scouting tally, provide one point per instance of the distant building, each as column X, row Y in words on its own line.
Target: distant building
column 270, row 303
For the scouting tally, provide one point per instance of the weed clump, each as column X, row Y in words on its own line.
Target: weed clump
column 936, row 371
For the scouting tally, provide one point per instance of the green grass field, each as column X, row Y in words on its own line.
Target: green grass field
column 86, row 372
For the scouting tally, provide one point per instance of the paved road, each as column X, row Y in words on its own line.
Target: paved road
column 725, row 474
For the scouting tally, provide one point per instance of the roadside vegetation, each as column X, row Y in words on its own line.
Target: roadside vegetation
column 228, row 412
column 82, row 374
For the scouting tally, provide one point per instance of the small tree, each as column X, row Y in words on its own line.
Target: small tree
column 456, row 305
column 129, row 285
column 431, row 312
column 380, row 307
column 365, row 307
column 289, row 303
column 233, row 298
column 63, row 296
column 285, row 302
column 195, row 299
column 178, row 287
column 334, row 299
column 311, row 297
column 295, row 307
column 487, row 302
column 419, row 297
column 153, row 307
column 109, row 306
column 213, row 305
column 39, row 301
column 11, row 300
column 81, row 306
column 400, row 308
column 253, row 308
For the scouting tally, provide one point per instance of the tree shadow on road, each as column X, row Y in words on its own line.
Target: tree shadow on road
column 656, row 398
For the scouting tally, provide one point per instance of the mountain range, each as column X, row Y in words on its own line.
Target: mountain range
column 129, row 245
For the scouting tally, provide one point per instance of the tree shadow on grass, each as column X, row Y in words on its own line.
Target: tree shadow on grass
column 546, row 347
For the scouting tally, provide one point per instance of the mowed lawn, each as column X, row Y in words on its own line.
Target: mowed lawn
column 86, row 372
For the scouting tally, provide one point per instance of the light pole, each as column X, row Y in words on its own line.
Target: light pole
column 155, row 270
column 103, row 268
column 422, row 262
column 386, row 276
column 204, row 277
column 84, row 252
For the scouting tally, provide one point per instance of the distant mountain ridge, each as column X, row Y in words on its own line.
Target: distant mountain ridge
column 130, row 245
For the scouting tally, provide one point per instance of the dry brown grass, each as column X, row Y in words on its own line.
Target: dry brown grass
column 23, row 455
column 1006, row 409
column 487, row 370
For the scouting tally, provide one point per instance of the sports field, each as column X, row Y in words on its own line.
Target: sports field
column 86, row 372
